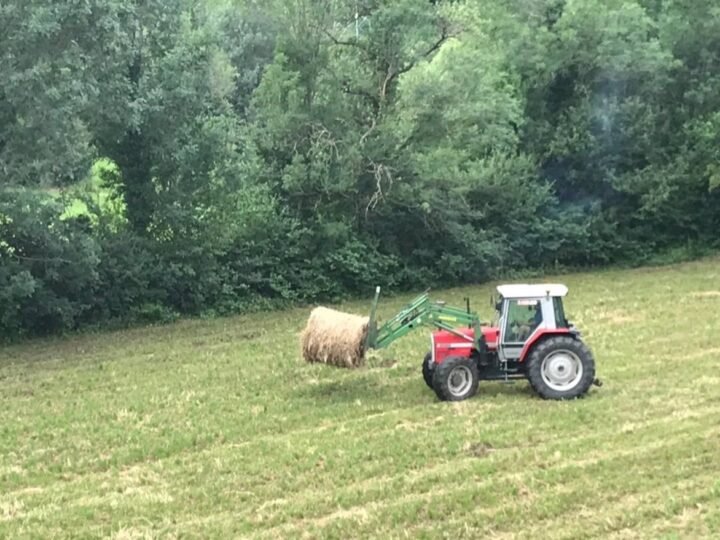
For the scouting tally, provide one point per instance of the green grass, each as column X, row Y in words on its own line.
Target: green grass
column 218, row 430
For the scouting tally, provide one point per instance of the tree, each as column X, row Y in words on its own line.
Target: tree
column 57, row 63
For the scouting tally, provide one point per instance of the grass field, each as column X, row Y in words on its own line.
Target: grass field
column 218, row 430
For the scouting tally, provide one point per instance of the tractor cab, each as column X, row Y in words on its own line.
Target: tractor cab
column 526, row 313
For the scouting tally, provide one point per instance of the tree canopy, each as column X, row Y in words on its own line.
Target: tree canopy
column 256, row 153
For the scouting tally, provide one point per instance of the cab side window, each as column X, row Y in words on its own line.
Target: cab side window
column 523, row 317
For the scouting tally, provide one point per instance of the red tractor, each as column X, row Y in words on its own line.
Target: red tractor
column 531, row 340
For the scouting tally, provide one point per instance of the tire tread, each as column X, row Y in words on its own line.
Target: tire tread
column 427, row 371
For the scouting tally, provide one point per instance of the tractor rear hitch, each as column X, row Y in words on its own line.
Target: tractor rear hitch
column 597, row 382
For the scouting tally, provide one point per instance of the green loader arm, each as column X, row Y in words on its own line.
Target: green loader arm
column 420, row 312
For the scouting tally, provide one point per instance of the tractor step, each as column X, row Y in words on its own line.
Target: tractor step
column 499, row 376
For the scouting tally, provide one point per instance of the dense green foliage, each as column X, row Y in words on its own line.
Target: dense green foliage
column 272, row 152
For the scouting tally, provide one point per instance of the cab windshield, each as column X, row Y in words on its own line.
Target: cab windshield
column 498, row 312
column 560, row 320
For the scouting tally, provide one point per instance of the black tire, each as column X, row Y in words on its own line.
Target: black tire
column 427, row 370
column 456, row 379
column 561, row 358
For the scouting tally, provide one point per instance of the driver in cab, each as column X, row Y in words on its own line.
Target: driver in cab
column 525, row 329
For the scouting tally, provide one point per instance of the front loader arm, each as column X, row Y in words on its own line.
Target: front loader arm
column 420, row 312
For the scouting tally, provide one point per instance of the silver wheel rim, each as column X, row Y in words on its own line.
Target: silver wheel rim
column 459, row 380
column 562, row 370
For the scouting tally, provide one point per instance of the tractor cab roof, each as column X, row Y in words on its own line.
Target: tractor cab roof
column 522, row 290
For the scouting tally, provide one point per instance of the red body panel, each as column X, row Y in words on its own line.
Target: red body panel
column 541, row 333
column 448, row 344
column 492, row 335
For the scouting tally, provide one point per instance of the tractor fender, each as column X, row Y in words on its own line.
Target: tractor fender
column 540, row 335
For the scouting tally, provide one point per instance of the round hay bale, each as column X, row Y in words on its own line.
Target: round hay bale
column 334, row 338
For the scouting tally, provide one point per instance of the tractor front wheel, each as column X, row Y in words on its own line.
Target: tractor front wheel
column 428, row 369
column 456, row 379
column 561, row 367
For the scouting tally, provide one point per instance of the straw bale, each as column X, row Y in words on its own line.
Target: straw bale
column 334, row 338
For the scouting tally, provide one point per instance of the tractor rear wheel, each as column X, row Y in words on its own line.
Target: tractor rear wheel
column 428, row 370
column 456, row 379
column 561, row 367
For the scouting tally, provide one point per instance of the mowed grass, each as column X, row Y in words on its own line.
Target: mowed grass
column 219, row 430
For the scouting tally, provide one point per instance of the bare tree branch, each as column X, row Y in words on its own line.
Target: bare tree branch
column 393, row 74
column 368, row 132
column 380, row 172
column 322, row 135
column 337, row 41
